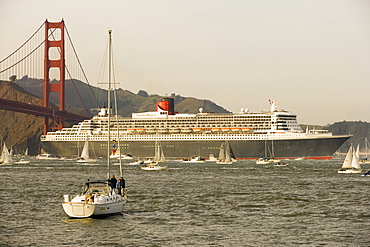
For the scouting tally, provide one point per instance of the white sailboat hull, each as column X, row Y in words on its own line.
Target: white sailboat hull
column 85, row 210
column 76, row 209
column 82, row 160
column 225, row 162
column 22, row 162
column 263, row 161
column 154, row 168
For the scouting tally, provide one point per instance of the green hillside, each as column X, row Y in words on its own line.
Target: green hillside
column 358, row 129
column 80, row 95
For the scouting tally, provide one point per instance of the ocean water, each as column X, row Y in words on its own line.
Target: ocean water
column 306, row 203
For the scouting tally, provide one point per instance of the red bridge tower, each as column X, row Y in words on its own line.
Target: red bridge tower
column 57, row 120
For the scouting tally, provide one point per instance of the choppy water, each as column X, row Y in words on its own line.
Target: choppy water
column 304, row 204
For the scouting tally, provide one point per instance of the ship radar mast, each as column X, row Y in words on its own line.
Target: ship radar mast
column 274, row 106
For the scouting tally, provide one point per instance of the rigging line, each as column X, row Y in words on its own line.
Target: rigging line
column 27, row 55
column 73, row 82
column 78, row 60
column 23, row 58
column 23, row 43
column 101, row 72
column 79, row 95
column 116, row 111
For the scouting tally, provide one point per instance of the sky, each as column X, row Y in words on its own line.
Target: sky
column 311, row 56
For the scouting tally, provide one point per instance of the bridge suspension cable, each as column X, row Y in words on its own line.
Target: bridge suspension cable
column 25, row 65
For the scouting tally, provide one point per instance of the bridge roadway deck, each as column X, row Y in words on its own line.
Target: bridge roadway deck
column 37, row 110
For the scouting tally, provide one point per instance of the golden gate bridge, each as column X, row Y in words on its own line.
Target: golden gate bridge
column 46, row 54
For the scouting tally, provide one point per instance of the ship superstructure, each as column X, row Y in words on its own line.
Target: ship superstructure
column 199, row 134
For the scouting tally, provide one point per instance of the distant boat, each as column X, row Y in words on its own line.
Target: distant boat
column 281, row 164
column 212, row 158
column 46, row 156
column 85, row 156
column 22, row 161
column 264, row 160
column 225, row 156
column 158, row 158
column 148, row 161
column 118, row 155
column 137, row 162
column 366, row 174
column 6, row 158
column 350, row 163
column 365, row 160
column 196, row 159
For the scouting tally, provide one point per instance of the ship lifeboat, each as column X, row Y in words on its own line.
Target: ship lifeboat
column 186, row 130
column 235, row 129
column 197, row 129
column 207, row 130
column 151, row 130
column 162, row 130
column 216, row 129
column 140, row 130
column 225, row 129
column 131, row 130
column 246, row 129
column 174, row 130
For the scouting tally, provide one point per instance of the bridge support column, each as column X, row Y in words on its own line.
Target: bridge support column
column 57, row 121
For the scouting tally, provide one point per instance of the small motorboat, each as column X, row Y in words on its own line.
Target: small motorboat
column 137, row 162
column 281, row 164
column 196, row 159
column 22, row 161
column 264, row 161
column 46, row 156
column 366, row 174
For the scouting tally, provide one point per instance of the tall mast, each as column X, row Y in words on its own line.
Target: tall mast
column 109, row 106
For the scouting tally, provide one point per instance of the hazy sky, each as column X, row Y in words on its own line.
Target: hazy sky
column 312, row 56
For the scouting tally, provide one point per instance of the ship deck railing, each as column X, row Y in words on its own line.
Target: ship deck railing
column 187, row 137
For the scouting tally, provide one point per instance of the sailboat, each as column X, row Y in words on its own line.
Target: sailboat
column 350, row 163
column 158, row 158
column 85, row 157
column 23, row 161
column 264, row 160
column 365, row 160
column 6, row 158
column 98, row 197
column 225, row 156
column 273, row 153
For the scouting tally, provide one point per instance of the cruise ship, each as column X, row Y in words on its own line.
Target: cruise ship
column 273, row 133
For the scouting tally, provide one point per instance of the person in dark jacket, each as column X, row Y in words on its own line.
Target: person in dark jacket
column 113, row 182
column 121, row 186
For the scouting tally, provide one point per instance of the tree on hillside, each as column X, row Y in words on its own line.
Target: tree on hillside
column 143, row 93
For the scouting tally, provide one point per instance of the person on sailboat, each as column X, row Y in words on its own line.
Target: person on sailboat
column 113, row 182
column 121, row 186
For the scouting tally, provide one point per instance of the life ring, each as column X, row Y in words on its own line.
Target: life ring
column 88, row 199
